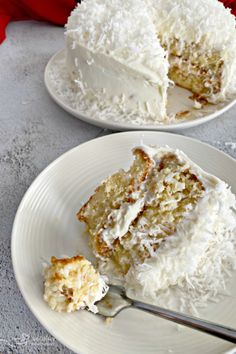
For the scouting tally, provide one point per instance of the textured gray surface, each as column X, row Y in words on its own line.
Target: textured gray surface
column 33, row 132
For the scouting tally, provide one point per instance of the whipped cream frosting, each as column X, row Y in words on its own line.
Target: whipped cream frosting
column 122, row 219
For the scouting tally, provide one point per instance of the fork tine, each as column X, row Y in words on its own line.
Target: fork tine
column 114, row 301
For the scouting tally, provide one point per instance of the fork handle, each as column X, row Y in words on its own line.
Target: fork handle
column 214, row 329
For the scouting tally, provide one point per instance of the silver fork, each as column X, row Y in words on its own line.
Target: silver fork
column 116, row 300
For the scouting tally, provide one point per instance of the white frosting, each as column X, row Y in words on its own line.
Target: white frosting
column 122, row 218
column 206, row 229
column 116, row 57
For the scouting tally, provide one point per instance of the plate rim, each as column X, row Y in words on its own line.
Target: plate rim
column 126, row 126
column 50, row 330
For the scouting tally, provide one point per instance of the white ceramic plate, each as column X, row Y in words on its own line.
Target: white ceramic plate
column 46, row 225
column 59, row 87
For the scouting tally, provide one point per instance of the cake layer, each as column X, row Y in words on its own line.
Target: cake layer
column 195, row 69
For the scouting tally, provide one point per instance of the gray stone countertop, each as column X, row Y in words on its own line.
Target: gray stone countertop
column 33, row 132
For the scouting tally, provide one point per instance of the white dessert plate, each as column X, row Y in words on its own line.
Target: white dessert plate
column 63, row 93
column 46, row 225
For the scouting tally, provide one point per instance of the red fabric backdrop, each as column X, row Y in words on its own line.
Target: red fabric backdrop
column 54, row 11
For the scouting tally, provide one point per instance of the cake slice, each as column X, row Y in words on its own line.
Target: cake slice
column 115, row 58
column 72, row 284
column 151, row 226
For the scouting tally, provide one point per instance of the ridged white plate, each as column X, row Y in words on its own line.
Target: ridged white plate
column 46, row 225
column 178, row 101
